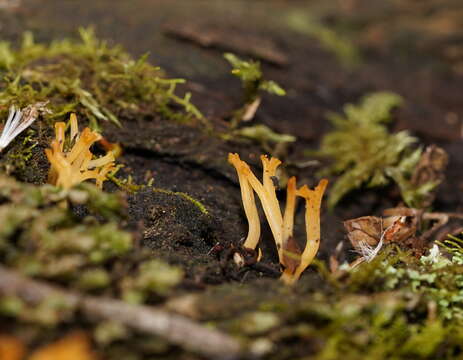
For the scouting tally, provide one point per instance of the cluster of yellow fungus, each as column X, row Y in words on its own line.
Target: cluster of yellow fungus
column 293, row 261
column 72, row 161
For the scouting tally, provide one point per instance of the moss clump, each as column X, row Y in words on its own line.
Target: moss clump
column 89, row 77
column 391, row 308
column 435, row 278
column 22, row 154
column 153, row 277
column 364, row 152
column 41, row 237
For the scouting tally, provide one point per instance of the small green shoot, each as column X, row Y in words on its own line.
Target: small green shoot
column 454, row 245
column 254, row 83
column 90, row 78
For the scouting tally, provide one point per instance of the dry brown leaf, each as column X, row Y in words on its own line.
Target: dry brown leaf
column 369, row 230
column 365, row 229
column 291, row 254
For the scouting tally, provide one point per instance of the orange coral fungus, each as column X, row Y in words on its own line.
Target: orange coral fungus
column 75, row 346
column 292, row 260
column 247, row 195
column 11, row 348
column 72, row 161
column 313, row 200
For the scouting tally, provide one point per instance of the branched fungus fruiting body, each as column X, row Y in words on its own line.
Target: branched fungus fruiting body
column 312, row 224
column 75, row 163
column 293, row 262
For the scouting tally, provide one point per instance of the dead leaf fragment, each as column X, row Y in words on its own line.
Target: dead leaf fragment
column 365, row 229
column 368, row 230
column 291, row 254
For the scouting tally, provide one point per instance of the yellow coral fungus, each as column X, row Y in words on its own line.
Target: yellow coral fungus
column 290, row 257
column 249, row 204
column 72, row 162
column 313, row 199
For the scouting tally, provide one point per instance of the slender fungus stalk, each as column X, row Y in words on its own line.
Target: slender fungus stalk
column 288, row 219
column 312, row 224
column 249, row 203
column 289, row 251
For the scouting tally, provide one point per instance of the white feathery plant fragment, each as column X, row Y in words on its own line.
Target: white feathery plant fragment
column 369, row 252
column 18, row 121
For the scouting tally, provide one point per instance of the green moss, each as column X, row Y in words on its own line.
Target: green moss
column 127, row 184
column 195, row 202
column 256, row 323
column 153, row 277
column 11, row 306
column 19, row 157
column 88, row 77
column 364, row 152
column 42, row 236
column 103, row 84
column 436, row 278
column 93, row 279
column 395, row 307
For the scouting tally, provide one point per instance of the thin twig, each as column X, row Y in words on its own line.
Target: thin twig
column 177, row 329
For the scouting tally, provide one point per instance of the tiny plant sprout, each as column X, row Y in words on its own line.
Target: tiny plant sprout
column 292, row 260
column 18, row 121
column 254, row 84
column 71, row 159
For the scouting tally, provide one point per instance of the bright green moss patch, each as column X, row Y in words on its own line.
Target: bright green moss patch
column 436, row 279
column 41, row 236
column 364, row 152
column 89, row 77
column 74, row 239
column 154, row 276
